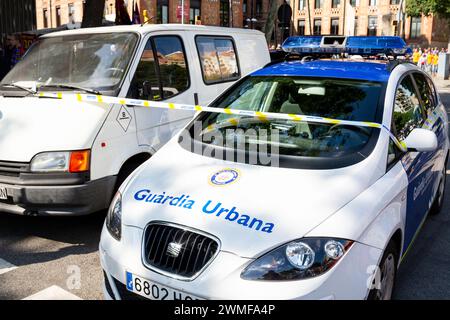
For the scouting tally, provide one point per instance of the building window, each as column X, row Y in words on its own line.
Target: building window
column 318, row 4
column 58, row 16
column 372, row 26
column 71, row 12
column 224, row 13
column 45, row 14
column 194, row 10
column 259, row 7
column 244, row 8
column 416, row 25
column 395, row 1
column 162, row 11
column 317, row 27
column 301, row 4
column 372, row 3
column 301, row 27
column 354, row 3
column 334, row 26
column 335, row 3
column 355, row 31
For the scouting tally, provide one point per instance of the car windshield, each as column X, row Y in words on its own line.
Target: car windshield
column 329, row 98
column 94, row 61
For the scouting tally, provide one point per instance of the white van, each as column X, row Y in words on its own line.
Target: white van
column 67, row 158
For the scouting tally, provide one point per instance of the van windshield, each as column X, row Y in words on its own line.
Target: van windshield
column 94, row 61
column 330, row 98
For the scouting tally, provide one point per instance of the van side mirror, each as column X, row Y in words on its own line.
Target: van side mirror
column 421, row 140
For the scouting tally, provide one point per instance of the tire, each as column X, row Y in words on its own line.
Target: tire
column 388, row 269
column 438, row 202
column 124, row 173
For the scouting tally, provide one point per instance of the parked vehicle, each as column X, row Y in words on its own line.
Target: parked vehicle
column 332, row 220
column 59, row 158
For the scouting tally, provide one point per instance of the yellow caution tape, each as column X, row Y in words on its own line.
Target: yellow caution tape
column 263, row 116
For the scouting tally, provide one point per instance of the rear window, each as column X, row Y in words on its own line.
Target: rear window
column 330, row 98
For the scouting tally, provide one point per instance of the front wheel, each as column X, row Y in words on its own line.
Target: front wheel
column 384, row 282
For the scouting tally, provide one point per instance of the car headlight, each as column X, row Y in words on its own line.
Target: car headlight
column 399, row 50
column 299, row 259
column 61, row 161
column 114, row 217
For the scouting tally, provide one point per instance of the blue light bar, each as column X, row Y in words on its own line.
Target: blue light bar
column 352, row 45
column 304, row 44
column 388, row 45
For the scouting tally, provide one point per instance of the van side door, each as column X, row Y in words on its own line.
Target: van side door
column 162, row 75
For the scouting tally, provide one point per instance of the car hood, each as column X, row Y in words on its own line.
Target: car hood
column 288, row 202
column 32, row 125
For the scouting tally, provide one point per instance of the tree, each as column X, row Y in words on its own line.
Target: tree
column 415, row 8
column 270, row 22
column 93, row 13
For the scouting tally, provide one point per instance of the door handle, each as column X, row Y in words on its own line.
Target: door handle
column 196, row 98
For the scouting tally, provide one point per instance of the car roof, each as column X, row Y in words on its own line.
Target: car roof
column 356, row 70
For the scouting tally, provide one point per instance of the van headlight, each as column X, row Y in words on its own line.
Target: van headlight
column 299, row 259
column 61, row 161
column 114, row 217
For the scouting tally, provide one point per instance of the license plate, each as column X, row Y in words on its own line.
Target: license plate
column 154, row 291
column 3, row 193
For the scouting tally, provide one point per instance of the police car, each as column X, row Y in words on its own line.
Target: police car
column 332, row 219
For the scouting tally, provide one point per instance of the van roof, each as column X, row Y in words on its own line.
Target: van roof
column 143, row 29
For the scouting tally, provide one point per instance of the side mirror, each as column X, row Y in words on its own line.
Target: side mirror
column 421, row 140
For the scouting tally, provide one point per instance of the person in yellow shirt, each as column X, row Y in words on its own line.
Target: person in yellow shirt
column 435, row 63
column 429, row 61
column 416, row 56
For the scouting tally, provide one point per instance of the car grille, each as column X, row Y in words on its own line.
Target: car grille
column 177, row 251
column 13, row 169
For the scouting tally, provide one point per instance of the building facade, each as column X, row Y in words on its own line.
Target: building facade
column 365, row 18
column 309, row 17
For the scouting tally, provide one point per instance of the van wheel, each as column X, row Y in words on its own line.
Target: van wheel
column 126, row 170
column 439, row 200
column 387, row 270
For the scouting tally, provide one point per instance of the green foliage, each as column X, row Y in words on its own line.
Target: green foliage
column 416, row 8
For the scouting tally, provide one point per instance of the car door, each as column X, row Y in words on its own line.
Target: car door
column 433, row 122
column 162, row 75
column 409, row 114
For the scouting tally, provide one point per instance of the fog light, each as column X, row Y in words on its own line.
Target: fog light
column 334, row 250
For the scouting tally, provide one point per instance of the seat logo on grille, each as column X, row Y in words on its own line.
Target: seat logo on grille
column 174, row 249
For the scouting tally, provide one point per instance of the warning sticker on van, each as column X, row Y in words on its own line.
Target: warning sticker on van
column 124, row 118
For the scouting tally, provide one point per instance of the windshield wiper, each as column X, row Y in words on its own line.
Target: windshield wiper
column 68, row 86
column 14, row 85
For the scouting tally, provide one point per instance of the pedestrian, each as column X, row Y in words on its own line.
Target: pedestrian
column 16, row 49
column 416, row 56
column 422, row 61
column 435, row 64
column 429, row 61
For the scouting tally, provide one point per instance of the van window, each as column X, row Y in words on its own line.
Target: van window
column 218, row 59
column 407, row 111
column 163, row 77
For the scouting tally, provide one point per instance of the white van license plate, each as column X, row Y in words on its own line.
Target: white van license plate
column 154, row 291
column 3, row 193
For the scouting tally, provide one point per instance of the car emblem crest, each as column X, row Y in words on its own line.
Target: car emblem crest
column 174, row 249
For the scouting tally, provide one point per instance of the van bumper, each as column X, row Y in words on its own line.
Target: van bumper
column 58, row 200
